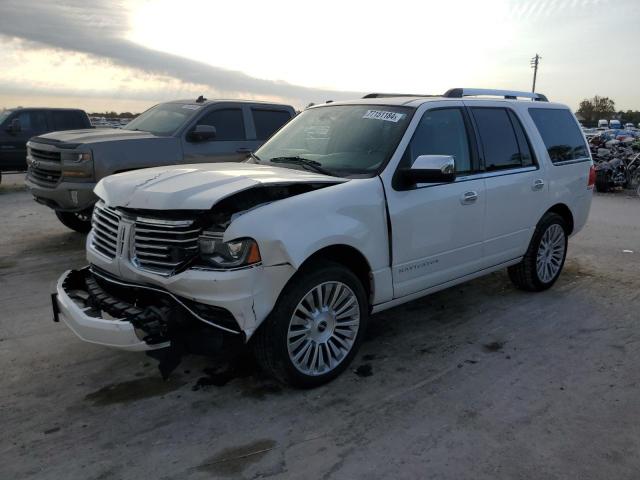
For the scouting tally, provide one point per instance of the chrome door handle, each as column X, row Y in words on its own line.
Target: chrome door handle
column 469, row 198
column 538, row 184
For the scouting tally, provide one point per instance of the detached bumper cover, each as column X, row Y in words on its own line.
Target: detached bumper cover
column 89, row 325
column 103, row 310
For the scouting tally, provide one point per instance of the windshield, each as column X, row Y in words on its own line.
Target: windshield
column 4, row 115
column 163, row 119
column 346, row 140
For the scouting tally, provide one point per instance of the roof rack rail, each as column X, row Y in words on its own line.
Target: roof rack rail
column 391, row 95
column 507, row 94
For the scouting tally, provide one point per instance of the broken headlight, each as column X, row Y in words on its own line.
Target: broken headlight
column 216, row 253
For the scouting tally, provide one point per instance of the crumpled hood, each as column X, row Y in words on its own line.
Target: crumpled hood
column 197, row 186
column 92, row 135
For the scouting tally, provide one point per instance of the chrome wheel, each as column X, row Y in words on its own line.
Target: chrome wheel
column 323, row 328
column 550, row 253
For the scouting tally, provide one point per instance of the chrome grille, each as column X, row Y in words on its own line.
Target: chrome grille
column 44, row 176
column 162, row 245
column 45, row 155
column 105, row 222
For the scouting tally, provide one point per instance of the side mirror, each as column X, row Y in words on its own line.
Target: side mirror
column 14, row 126
column 202, row 133
column 431, row 169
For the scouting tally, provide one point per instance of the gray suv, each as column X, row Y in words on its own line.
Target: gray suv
column 65, row 166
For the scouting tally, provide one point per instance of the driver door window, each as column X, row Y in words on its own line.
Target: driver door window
column 441, row 132
column 228, row 123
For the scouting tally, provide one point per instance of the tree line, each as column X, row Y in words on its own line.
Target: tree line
column 593, row 109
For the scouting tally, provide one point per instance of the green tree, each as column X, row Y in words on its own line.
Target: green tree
column 593, row 109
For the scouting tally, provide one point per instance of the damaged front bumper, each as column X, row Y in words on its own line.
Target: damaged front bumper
column 104, row 310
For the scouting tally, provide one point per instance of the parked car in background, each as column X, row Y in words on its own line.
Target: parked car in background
column 629, row 126
column 17, row 125
column 351, row 208
column 603, row 123
column 64, row 167
column 615, row 124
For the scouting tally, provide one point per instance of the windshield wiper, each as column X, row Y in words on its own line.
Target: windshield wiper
column 305, row 162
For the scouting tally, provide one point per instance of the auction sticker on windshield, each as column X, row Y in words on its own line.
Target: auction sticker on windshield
column 383, row 115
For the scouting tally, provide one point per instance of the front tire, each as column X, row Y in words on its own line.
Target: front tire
column 316, row 327
column 544, row 259
column 78, row 221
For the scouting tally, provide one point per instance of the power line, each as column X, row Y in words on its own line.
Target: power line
column 534, row 64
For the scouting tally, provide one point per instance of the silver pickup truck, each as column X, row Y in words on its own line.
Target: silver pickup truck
column 64, row 167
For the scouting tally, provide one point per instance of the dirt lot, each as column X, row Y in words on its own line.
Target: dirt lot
column 479, row 381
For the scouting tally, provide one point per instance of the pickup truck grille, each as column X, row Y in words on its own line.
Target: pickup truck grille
column 162, row 245
column 105, row 222
column 44, row 176
column 45, row 155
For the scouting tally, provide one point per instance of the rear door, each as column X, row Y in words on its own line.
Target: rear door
column 437, row 229
column 230, row 143
column 516, row 185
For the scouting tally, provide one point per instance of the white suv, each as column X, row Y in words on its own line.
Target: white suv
column 351, row 208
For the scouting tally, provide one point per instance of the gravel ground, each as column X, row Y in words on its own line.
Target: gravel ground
column 479, row 381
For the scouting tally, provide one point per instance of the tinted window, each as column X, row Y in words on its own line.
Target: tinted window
column 499, row 141
column 441, row 132
column 560, row 134
column 32, row 121
column 523, row 142
column 67, row 120
column 267, row 122
column 228, row 122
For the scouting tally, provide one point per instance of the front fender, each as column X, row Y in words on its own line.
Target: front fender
column 291, row 230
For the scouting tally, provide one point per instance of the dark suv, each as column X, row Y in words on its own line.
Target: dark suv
column 65, row 166
column 18, row 125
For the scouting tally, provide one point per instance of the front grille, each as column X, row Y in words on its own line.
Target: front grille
column 44, row 176
column 162, row 245
column 45, row 155
column 106, row 222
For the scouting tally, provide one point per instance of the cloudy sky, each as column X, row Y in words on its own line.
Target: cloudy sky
column 127, row 55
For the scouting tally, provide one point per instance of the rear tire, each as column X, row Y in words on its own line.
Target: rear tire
column 316, row 327
column 78, row 221
column 542, row 263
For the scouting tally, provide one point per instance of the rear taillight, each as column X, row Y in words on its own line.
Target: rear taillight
column 592, row 177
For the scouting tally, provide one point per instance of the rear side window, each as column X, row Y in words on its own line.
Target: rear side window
column 560, row 134
column 228, row 122
column 441, row 132
column 267, row 122
column 501, row 146
column 67, row 120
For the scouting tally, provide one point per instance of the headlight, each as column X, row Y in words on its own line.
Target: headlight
column 77, row 165
column 77, row 157
column 219, row 254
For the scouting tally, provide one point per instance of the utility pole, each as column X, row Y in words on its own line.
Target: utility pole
column 534, row 64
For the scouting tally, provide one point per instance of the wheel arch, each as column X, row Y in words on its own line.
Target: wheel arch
column 565, row 212
column 348, row 256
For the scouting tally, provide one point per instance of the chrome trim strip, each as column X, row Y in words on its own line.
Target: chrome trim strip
column 571, row 162
column 159, row 290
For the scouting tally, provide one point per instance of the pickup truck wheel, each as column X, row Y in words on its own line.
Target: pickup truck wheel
column 543, row 262
column 78, row 221
column 316, row 327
